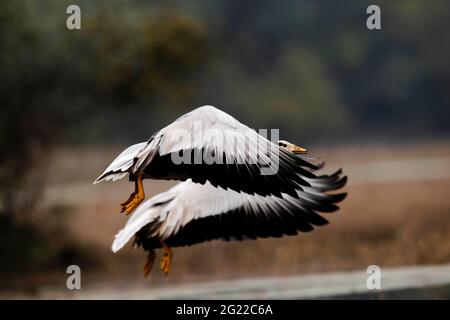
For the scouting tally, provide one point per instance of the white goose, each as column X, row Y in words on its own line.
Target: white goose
column 233, row 197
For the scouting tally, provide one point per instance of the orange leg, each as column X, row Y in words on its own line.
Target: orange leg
column 135, row 198
column 130, row 198
column 149, row 263
column 166, row 260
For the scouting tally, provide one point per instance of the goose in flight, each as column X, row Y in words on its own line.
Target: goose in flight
column 243, row 160
column 235, row 185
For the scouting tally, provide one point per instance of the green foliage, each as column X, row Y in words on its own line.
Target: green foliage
column 147, row 62
column 53, row 79
column 304, row 59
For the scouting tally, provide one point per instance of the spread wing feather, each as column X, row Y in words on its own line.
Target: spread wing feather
column 190, row 213
column 242, row 160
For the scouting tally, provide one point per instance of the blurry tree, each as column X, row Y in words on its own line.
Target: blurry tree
column 52, row 79
column 150, row 61
column 47, row 87
column 391, row 83
column 23, row 129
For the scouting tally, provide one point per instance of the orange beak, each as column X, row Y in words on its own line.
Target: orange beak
column 297, row 150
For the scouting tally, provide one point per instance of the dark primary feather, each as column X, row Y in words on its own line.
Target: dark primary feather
column 244, row 177
column 250, row 222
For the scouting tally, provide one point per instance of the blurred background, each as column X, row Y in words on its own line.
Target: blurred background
column 376, row 103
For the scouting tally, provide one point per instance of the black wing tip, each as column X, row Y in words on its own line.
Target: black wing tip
column 320, row 165
column 340, row 196
column 320, row 222
column 343, row 181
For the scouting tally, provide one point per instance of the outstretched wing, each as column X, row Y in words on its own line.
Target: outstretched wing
column 121, row 166
column 210, row 145
column 190, row 213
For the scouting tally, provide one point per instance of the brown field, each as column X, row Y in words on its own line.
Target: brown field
column 388, row 222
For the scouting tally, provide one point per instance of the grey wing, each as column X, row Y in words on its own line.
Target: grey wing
column 243, row 159
column 191, row 213
column 122, row 164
